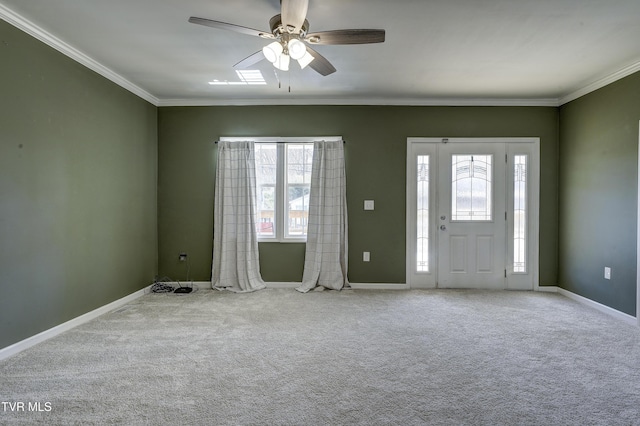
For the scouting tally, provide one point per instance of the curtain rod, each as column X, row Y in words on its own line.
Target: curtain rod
column 343, row 141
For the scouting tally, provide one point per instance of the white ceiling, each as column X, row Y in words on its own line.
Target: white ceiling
column 529, row 52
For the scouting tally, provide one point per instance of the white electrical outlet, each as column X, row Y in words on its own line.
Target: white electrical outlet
column 607, row 273
column 366, row 256
column 368, row 205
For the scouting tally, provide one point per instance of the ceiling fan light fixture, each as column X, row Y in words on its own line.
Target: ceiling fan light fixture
column 273, row 51
column 290, row 37
column 306, row 59
column 296, row 48
column 282, row 63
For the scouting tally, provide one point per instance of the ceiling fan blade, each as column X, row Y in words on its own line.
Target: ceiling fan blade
column 346, row 37
column 231, row 27
column 250, row 60
column 320, row 63
column 294, row 12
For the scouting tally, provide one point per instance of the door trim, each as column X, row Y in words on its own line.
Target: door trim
column 638, row 240
column 534, row 212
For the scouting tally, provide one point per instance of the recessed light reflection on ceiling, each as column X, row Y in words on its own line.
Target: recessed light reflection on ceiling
column 247, row 77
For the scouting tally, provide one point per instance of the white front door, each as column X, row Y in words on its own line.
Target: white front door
column 472, row 208
column 470, row 216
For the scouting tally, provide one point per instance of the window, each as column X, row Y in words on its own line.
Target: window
column 283, row 183
column 520, row 213
column 298, row 162
column 266, row 181
column 283, row 178
column 471, row 178
column 422, row 214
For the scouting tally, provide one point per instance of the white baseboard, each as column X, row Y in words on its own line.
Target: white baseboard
column 354, row 286
column 200, row 285
column 546, row 288
column 18, row 347
column 206, row 285
column 379, row 286
column 288, row 285
column 599, row 306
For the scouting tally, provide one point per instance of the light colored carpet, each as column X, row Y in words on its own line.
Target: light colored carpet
column 279, row 357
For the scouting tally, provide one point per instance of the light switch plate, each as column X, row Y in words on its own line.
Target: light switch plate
column 607, row 273
column 366, row 256
column 368, row 204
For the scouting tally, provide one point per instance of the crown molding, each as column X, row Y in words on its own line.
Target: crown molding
column 28, row 27
column 551, row 102
column 599, row 84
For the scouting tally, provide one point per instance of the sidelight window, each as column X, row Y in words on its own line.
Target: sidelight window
column 520, row 214
column 422, row 237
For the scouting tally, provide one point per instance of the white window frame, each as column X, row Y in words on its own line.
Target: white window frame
column 281, row 201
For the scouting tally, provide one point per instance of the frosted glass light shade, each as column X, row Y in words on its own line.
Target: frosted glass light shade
column 305, row 60
column 272, row 51
column 282, row 63
column 297, row 49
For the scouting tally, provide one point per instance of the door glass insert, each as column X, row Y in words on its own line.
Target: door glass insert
column 471, row 182
column 520, row 213
column 422, row 237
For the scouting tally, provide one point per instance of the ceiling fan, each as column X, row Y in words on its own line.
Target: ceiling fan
column 291, row 38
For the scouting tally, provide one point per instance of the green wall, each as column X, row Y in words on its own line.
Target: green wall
column 78, row 180
column 599, row 194
column 375, row 150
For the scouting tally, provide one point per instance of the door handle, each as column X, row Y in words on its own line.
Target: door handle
column 443, row 228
